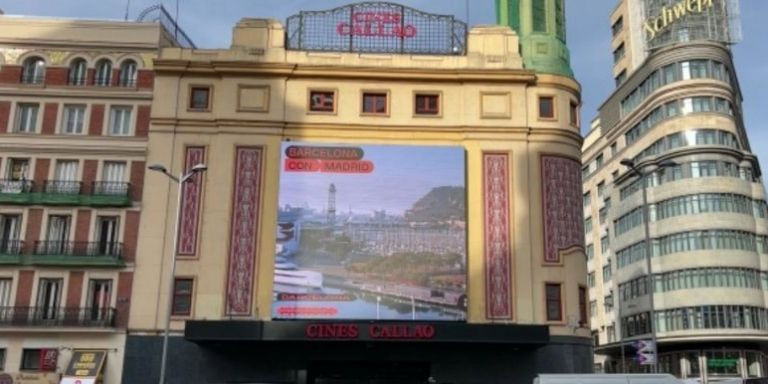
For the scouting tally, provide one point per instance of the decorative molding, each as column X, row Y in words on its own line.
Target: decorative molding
column 562, row 205
column 498, row 255
column 190, row 203
column 245, row 224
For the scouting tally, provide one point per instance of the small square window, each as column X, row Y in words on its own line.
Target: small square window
column 547, row 107
column 427, row 104
column 375, row 103
column 322, row 101
column 182, row 297
column 44, row 360
column 574, row 113
column 200, row 98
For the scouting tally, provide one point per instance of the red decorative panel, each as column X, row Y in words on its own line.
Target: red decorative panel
column 245, row 224
column 190, row 203
column 142, row 120
column 5, row 112
column 498, row 255
column 562, row 204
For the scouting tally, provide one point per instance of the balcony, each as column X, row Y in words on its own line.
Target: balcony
column 10, row 252
column 57, row 317
column 75, row 253
column 16, row 191
column 66, row 192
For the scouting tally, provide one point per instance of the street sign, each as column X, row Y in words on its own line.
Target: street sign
column 646, row 352
column 644, row 346
column 646, row 358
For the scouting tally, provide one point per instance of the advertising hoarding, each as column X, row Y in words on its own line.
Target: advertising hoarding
column 678, row 21
column 371, row 232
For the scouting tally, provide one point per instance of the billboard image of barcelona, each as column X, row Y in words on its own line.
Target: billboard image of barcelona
column 372, row 232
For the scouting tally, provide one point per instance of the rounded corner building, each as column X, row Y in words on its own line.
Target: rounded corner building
column 673, row 130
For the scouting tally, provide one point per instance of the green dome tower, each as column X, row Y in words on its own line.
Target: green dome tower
column 541, row 27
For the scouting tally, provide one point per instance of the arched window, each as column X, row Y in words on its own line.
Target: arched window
column 33, row 71
column 103, row 73
column 77, row 72
column 128, row 73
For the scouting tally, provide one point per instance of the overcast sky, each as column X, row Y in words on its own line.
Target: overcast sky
column 209, row 23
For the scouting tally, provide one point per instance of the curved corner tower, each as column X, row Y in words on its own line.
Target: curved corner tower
column 541, row 27
column 677, row 115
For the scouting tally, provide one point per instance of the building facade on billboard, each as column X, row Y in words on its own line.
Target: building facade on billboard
column 386, row 191
column 75, row 97
column 676, row 115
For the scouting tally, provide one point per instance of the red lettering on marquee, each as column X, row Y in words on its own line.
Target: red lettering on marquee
column 375, row 331
column 381, row 24
column 328, row 166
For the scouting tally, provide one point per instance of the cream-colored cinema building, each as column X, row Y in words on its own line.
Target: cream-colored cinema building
column 298, row 260
column 676, row 114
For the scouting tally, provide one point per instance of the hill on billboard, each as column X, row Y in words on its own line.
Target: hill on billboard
column 371, row 232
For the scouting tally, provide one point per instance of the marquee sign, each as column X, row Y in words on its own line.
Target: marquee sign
column 679, row 21
column 376, row 27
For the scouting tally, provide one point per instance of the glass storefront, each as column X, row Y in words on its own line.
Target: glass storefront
column 708, row 364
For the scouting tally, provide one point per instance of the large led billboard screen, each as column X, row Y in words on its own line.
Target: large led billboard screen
column 371, row 232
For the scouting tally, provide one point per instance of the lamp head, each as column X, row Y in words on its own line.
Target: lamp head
column 158, row 168
column 627, row 163
column 667, row 164
column 199, row 168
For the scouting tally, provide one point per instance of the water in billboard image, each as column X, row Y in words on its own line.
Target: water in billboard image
column 371, row 232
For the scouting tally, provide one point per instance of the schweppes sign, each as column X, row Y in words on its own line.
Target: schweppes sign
column 673, row 13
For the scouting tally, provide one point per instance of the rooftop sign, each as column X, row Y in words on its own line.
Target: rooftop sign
column 376, row 27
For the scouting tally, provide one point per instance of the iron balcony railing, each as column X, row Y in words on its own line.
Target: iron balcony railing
column 63, row 187
column 16, row 186
column 11, row 247
column 77, row 80
column 110, row 188
column 110, row 249
column 57, row 317
column 126, row 83
column 102, row 81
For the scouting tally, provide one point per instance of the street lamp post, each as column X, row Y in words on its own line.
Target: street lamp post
column 650, row 283
column 181, row 179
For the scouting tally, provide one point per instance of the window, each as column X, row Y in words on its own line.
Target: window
column 49, row 299
column 605, row 244
column 78, row 72
column 182, row 297
column 587, row 199
column 57, row 238
column 607, row 273
column 6, row 284
column 103, row 73
column 2, row 359
column 322, row 101
column 618, row 25
column 574, row 113
column 593, row 308
column 18, row 169
column 65, row 178
column 539, row 16
column 427, row 104
column 560, row 19
column 375, row 103
column 599, row 161
column 10, row 232
column 73, row 119
column 200, row 98
column 618, row 53
column 591, row 279
column 33, row 71
column 582, row 306
column 26, row 118
column 120, row 121
column 44, row 360
column 99, row 299
column 546, row 107
column 554, row 302
column 588, row 226
column 127, row 74
column 615, row 175
column 614, row 149
column 112, row 182
column 590, row 251
column 621, row 77
column 106, row 237
column 601, row 189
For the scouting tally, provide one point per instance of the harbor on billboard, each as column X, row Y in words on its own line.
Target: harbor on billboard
column 371, row 232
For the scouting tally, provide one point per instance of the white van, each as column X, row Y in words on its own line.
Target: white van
column 607, row 379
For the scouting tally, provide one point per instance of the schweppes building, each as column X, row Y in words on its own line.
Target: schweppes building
column 368, row 193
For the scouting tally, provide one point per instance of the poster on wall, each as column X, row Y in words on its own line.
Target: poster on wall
column 375, row 232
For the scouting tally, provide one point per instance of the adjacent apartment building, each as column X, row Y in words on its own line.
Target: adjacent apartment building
column 676, row 116
column 389, row 196
column 75, row 99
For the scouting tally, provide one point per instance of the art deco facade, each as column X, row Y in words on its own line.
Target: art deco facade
column 75, row 98
column 237, row 110
column 677, row 101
